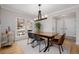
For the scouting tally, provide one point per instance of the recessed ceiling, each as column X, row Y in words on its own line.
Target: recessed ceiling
column 32, row 9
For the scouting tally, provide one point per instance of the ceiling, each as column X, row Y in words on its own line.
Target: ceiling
column 32, row 9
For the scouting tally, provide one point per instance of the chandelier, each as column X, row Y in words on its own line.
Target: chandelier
column 40, row 17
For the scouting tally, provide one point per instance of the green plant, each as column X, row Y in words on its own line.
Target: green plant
column 38, row 26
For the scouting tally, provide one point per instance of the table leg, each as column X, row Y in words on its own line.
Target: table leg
column 47, row 45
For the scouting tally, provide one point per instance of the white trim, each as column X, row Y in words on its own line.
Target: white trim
column 64, row 11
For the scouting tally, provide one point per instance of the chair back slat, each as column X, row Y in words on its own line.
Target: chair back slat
column 30, row 34
column 61, row 40
column 37, row 37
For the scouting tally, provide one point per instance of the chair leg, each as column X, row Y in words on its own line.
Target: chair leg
column 32, row 41
column 48, row 49
column 51, row 43
column 45, row 43
column 59, row 49
column 38, row 42
column 62, row 48
column 34, row 45
column 44, row 47
column 39, row 47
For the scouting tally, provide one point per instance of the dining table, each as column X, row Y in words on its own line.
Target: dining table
column 48, row 35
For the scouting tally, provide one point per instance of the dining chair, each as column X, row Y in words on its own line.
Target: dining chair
column 39, row 41
column 30, row 36
column 59, row 42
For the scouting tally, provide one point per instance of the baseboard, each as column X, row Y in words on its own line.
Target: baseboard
column 73, row 39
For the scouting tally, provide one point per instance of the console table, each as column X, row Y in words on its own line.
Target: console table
column 7, row 39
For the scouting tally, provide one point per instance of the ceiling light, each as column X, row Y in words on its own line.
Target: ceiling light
column 40, row 17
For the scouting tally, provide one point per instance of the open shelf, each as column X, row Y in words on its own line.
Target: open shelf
column 20, row 27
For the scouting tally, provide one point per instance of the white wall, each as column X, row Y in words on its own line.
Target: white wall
column 0, row 26
column 77, row 26
column 9, row 19
column 70, row 25
column 0, row 14
column 49, row 25
column 67, row 24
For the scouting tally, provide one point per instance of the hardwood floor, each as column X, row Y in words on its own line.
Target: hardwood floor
column 15, row 49
column 74, row 49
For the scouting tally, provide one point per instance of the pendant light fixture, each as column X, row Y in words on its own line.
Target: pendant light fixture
column 40, row 17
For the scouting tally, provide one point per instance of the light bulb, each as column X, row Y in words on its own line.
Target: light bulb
column 45, row 15
column 42, row 16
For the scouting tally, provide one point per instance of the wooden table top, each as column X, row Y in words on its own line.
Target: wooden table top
column 46, row 34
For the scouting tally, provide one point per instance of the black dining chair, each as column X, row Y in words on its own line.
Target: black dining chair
column 39, row 41
column 30, row 35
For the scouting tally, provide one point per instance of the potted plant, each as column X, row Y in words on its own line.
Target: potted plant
column 38, row 26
